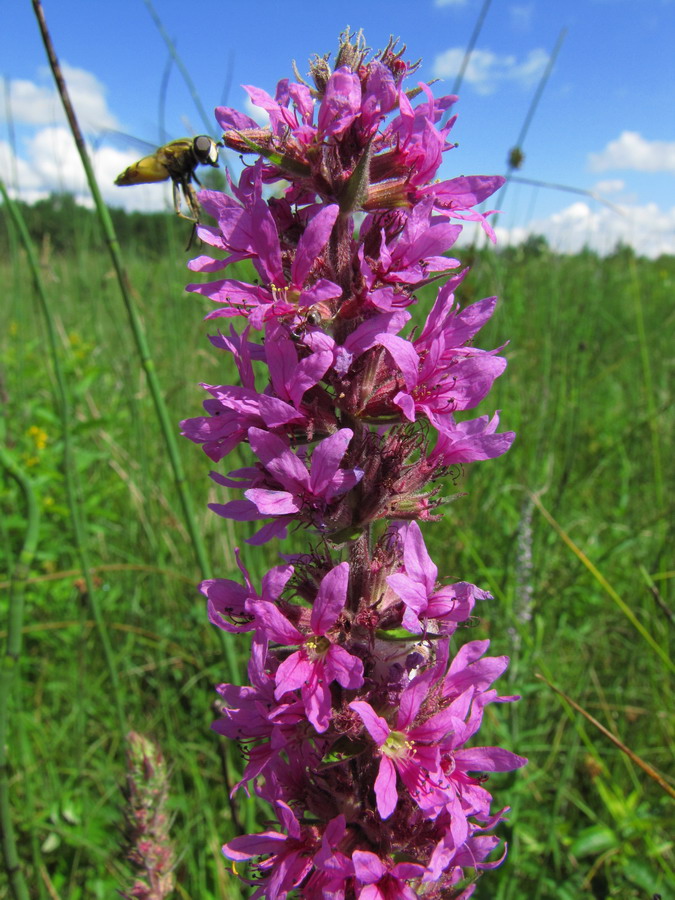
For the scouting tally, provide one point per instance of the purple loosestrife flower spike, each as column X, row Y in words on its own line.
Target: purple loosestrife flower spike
column 359, row 721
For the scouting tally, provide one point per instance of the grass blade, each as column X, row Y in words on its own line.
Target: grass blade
column 72, row 488
column 10, row 668
column 134, row 320
column 602, row 581
column 659, row 779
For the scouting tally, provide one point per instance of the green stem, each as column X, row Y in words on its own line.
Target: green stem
column 206, row 119
column 530, row 114
column 650, row 399
column 10, row 669
column 470, row 47
column 166, row 426
column 69, row 466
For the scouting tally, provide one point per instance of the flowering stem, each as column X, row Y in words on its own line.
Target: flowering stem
column 150, row 849
column 358, row 721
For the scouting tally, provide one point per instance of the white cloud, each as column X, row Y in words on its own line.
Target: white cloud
column 486, row 70
column 52, row 164
column 34, row 103
column 449, row 2
column 632, row 151
column 18, row 171
column 648, row 229
column 610, row 186
column 521, row 16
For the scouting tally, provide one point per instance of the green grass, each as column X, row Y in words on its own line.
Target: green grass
column 587, row 390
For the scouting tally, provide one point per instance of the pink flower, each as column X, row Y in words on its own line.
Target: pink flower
column 250, row 231
column 382, row 882
column 286, row 490
column 319, row 661
column 442, row 375
column 416, row 586
column 410, row 255
column 287, row 860
column 414, row 136
column 228, row 600
column 411, row 751
column 470, row 441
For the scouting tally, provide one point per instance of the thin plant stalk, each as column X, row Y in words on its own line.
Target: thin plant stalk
column 165, row 422
column 649, row 770
column 649, row 397
column 551, row 185
column 11, row 131
column 478, row 27
column 70, row 472
column 10, row 668
column 602, row 581
column 161, row 101
column 206, row 119
column 529, row 116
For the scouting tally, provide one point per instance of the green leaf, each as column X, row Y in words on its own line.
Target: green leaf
column 278, row 159
column 594, row 840
column 396, row 634
column 50, row 843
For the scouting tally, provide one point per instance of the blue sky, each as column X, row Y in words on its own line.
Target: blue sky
column 605, row 123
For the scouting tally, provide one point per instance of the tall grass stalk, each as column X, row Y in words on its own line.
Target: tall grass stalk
column 607, row 587
column 649, row 395
column 649, row 770
column 11, row 132
column 10, row 668
column 166, row 426
column 206, row 119
column 529, row 115
column 69, row 465
column 478, row 27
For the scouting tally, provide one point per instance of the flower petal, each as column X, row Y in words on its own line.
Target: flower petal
column 385, row 788
column 487, row 759
column 326, row 459
column 292, row 674
column 273, row 624
column 375, row 725
column 404, row 355
column 330, row 599
column 368, row 867
column 273, row 503
column 344, row 668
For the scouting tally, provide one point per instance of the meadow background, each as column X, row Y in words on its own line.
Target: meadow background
column 571, row 531
column 588, row 392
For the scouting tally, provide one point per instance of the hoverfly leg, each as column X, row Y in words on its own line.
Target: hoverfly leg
column 176, row 197
column 192, row 202
column 193, row 234
column 193, row 205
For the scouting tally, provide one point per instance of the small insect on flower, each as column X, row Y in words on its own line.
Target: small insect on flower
column 177, row 161
column 318, row 315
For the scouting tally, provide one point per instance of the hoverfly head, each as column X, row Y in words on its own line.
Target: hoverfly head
column 205, row 150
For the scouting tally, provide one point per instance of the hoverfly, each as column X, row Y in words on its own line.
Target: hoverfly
column 176, row 160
